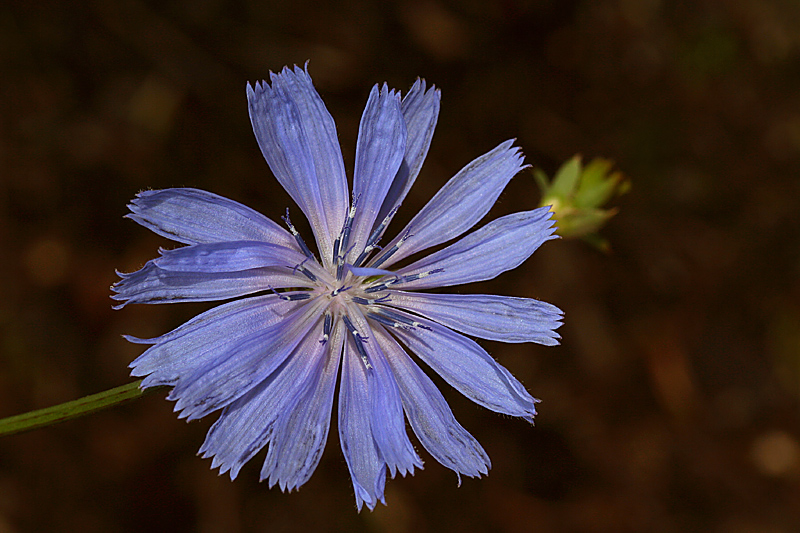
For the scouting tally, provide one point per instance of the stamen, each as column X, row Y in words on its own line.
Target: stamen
column 394, row 319
column 401, row 279
column 376, row 288
column 343, row 240
column 340, row 267
column 326, row 328
column 303, row 270
column 384, row 320
column 336, row 292
column 297, row 237
column 373, row 239
column 365, row 301
column 414, row 277
column 358, row 340
column 294, row 297
column 388, row 253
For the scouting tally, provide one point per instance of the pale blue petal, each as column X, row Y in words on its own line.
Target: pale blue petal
column 192, row 216
column 232, row 373
column 498, row 246
column 467, row 367
column 430, row 416
column 298, row 138
column 367, row 468
column 232, row 257
column 388, row 423
column 497, row 318
column 246, row 425
column 220, row 330
column 153, row 285
column 460, row 204
column 379, row 152
column 420, row 111
column 301, row 430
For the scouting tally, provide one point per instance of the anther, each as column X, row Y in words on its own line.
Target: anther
column 340, row 250
column 388, row 252
column 326, row 328
column 336, row 292
column 294, row 297
column 303, row 270
column 394, row 319
column 373, row 239
column 413, row 277
column 358, row 340
column 300, row 242
column 401, row 279
column 364, row 301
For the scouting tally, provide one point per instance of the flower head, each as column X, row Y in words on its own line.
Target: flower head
column 270, row 360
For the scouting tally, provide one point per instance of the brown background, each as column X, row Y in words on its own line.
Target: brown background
column 672, row 404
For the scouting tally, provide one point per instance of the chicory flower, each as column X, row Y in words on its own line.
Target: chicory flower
column 295, row 322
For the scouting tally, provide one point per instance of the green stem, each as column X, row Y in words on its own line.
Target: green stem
column 69, row 410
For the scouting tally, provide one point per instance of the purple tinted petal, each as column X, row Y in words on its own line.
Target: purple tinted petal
column 232, row 373
column 153, row 285
column 420, row 111
column 461, row 203
column 192, row 216
column 498, row 318
column 388, row 424
column 246, row 425
column 379, row 152
column 467, row 367
column 301, row 429
column 298, row 138
column 430, row 416
column 367, row 468
column 498, row 246
column 232, row 257
column 179, row 353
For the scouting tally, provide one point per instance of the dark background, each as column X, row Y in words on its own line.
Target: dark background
column 672, row 403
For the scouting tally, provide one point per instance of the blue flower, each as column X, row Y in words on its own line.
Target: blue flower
column 270, row 361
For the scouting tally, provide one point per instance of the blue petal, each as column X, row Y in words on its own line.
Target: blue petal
column 192, row 216
column 388, row 424
column 246, row 425
column 298, row 138
column 367, row 467
column 232, row 373
column 301, row 430
column 467, row 367
column 420, row 111
column 232, row 257
column 379, row 153
column 430, row 416
column 220, row 330
column 461, row 203
column 153, row 285
column 498, row 246
column 498, row 318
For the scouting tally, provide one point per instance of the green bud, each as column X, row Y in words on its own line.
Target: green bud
column 577, row 195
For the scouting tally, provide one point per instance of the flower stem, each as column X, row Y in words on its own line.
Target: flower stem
column 69, row 410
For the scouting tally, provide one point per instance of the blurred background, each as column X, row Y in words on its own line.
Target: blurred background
column 672, row 403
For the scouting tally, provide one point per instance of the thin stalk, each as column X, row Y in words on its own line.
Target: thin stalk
column 73, row 409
